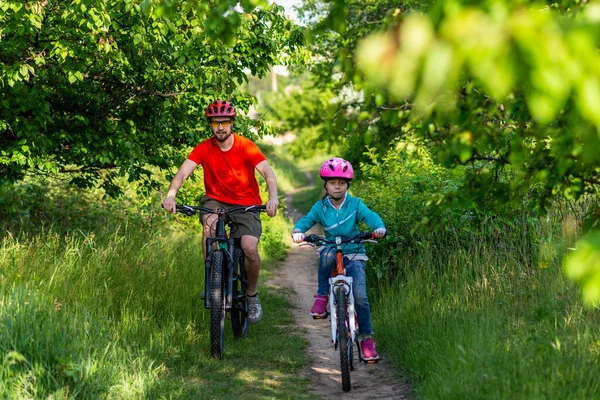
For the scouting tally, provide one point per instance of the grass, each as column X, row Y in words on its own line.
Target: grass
column 114, row 311
column 474, row 322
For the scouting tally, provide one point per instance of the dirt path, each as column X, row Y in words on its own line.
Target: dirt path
column 374, row 381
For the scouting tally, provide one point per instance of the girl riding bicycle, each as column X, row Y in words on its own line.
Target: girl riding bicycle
column 340, row 214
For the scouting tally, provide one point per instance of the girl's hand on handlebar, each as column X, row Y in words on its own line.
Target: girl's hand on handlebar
column 272, row 207
column 298, row 237
column 170, row 205
column 379, row 233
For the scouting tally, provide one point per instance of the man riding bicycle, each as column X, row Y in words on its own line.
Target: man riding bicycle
column 229, row 161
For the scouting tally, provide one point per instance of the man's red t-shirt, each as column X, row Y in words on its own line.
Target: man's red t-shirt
column 229, row 175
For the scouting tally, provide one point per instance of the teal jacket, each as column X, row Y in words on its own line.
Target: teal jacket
column 343, row 222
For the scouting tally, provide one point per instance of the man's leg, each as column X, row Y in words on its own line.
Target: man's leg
column 209, row 221
column 251, row 262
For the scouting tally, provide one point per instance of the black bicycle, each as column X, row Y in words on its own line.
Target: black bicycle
column 226, row 281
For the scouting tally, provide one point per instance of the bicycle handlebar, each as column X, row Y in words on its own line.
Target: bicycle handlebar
column 361, row 237
column 191, row 210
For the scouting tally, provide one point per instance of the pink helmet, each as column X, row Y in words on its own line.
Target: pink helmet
column 336, row 168
column 220, row 108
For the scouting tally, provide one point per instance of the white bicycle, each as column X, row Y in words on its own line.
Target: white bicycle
column 344, row 323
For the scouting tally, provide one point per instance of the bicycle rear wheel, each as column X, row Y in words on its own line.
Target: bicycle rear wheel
column 217, row 299
column 345, row 344
column 239, row 310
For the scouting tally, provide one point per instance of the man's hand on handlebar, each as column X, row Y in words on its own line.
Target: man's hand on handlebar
column 272, row 207
column 169, row 204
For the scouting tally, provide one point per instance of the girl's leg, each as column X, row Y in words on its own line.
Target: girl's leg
column 356, row 269
column 326, row 264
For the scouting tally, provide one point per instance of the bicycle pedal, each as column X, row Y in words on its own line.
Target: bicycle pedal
column 319, row 316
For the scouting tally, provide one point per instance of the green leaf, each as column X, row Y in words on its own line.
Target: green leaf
column 583, row 267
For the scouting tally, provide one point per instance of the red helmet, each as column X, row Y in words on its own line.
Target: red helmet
column 336, row 168
column 220, row 108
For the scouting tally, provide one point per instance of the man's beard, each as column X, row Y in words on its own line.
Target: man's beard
column 222, row 139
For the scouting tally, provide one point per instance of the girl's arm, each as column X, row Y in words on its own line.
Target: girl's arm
column 371, row 218
column 307, row 222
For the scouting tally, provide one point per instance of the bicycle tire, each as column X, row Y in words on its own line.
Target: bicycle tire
column 351, row 354
column 356, row 339
column 239, row 309
column 217, row 311
column 344, row 341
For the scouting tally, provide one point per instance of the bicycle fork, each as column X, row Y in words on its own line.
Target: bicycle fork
column 341, row 282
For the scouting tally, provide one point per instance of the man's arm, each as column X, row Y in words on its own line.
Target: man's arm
column 266, row 171
column 182, row 174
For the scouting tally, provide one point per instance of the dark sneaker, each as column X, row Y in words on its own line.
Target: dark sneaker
column 319, row 309
column 255, row 312
column 368, row 350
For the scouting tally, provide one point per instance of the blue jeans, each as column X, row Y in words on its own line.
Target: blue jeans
column 355, row 269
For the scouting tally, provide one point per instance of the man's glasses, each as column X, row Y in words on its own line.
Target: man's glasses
column 224, row 124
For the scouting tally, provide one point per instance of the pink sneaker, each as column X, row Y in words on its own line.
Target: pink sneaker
column 319, row 309
column 368, row 350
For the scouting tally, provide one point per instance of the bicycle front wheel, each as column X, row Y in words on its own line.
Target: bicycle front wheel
column 345, row 344
column 217, row 299
column 239, row 310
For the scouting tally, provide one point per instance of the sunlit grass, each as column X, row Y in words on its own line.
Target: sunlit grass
column 115, row 312
column 475, row 322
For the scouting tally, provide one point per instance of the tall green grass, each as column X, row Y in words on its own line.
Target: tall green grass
column 110, row 307
column 473, row 321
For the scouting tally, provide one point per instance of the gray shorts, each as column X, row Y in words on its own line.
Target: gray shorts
column 242, row 223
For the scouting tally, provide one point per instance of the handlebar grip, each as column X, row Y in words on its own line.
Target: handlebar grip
column 366, row 235
column 185, row 210
column 312, row 238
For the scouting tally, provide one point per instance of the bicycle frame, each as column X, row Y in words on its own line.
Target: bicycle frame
column 339, row 281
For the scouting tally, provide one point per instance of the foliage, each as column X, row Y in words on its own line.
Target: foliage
column 496, row 95
column 299, row 107
column 583, row 266
column 360, row 119
column 33, row 206
column 105, row 88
